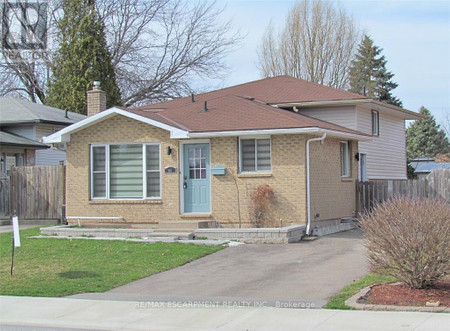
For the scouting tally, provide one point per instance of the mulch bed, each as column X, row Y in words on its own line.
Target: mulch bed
column 400, row 294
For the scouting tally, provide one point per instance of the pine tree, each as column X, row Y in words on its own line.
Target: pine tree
column 368, row 74
column 83, row 57
column 425, row 137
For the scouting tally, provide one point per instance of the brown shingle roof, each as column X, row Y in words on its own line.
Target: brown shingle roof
column 247, row 107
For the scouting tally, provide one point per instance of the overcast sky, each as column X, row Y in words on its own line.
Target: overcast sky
column 414, row 35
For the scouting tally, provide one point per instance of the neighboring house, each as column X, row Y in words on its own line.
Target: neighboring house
column 423, row 166
column 16, row 151
column 23, row 124
column 189, row 158
column 419, row 161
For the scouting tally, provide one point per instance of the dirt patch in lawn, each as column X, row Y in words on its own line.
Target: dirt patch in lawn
column 400, row 294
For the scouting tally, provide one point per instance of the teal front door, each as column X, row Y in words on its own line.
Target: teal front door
column 196, row 178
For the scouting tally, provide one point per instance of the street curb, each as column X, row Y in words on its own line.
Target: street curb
column 353, row 302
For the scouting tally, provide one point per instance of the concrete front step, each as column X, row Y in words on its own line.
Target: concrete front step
column 189, row 225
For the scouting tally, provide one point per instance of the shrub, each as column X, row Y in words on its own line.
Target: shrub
column 410, row 239
column 262, row 206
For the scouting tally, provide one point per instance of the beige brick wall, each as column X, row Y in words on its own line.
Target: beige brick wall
column 119, row 129
column 331, row 196
column 287, row 178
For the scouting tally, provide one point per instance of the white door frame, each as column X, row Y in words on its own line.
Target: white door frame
column 181, row 160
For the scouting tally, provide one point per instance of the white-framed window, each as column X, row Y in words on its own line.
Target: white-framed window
column 345, row 159
column 126, row 171
column 255, row 155
column 375, row 123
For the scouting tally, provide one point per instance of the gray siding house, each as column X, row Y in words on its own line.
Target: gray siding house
column 23, row 124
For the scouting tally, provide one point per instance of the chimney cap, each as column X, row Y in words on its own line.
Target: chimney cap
column 97, row 83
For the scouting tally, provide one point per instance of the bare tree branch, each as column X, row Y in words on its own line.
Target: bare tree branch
column 158, row 47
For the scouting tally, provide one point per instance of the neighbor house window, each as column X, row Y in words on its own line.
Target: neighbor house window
column 375, row 123
column 345, row 159
column 255, row 155
column 125, row 171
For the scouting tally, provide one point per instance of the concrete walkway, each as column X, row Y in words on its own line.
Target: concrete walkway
column 307, row 272
column 25, row 313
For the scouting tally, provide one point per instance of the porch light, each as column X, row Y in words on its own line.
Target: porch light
column 169, row 150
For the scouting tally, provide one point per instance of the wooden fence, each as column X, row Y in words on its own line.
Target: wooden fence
column 4, row 196
column 37, row 192
column 435, row 186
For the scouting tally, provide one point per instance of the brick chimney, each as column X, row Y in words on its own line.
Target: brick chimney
column 96, row 100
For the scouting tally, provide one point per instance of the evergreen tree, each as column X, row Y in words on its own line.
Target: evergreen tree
column 83, row 57
column 425, row 137
column 368, row 74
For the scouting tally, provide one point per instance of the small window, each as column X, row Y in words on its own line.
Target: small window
column 345, row 159
column 98, row 176
column 375, row 123
column 255, row 155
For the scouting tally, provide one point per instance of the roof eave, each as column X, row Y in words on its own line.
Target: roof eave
column 63, row 136
column 28, row 146
column 407, row 114
column 312, row 131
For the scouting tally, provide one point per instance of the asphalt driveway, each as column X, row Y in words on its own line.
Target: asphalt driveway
column 272, row 275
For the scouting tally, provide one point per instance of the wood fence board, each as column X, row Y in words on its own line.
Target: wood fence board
column 435, row 186
column 37, row 192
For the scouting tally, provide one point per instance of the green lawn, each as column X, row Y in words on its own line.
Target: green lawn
column 338, row 301
column 59, row 267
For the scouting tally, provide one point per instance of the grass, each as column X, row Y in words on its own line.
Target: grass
column 338, row 301
column 59, row 267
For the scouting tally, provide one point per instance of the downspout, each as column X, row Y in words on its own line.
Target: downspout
column 308, row 189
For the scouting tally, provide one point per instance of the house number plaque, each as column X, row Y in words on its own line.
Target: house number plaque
column 170, row 170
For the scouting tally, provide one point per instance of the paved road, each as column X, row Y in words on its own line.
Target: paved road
column 307, row 273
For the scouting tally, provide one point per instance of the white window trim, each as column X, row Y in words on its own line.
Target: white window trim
column 375, row 125
column 347, row 172
column 256, row 154
column 145, row 171
column 107, row 169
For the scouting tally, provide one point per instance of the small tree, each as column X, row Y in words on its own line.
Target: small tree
column 410, row 240
column 369, row 76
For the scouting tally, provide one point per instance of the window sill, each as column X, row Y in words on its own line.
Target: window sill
column 254, row 175
column 122, row 202
column 346, row 179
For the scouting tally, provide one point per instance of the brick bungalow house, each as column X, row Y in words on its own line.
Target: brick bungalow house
column 188, row 158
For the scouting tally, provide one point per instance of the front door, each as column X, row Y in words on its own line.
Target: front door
column 196, row 178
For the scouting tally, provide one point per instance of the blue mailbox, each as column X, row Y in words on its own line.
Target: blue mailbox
column 218, row 170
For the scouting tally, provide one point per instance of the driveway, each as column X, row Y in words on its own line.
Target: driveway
column 273, row 275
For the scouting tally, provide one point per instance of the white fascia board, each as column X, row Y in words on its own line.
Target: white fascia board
column 313, row 131
column 64, row 134
column 394, row 110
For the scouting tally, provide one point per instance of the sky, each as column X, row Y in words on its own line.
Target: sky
column 414, row 36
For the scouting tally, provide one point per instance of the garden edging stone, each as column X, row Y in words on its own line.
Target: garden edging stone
column 353, row 302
